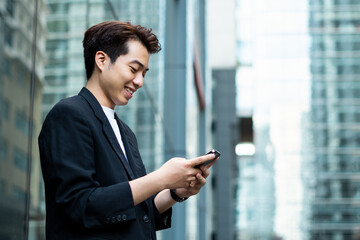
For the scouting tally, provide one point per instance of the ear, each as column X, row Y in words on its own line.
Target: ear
column 101, row 59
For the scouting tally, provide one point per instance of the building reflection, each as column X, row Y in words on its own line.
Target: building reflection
column 16, row 54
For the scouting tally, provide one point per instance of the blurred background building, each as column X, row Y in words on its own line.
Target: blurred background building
column 222, row 60
column 20, row 109
column 272, row 85
column 66, row 21
column 334, row 183
column 298, row 79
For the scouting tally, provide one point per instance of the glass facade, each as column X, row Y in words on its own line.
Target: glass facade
column 298, row 80
column 273, row 82
column 64, row 71
column 334, row 188
column 20, row 107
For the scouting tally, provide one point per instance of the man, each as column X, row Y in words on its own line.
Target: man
column 96, row 186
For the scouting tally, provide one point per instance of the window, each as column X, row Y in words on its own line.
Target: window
column 59, row 8
column 58, row 26
column 21, row 122
column 2, row 187
column 3, row 149
column 4, row 106
column 9, row 35
column 56, row 80
column 18, row 194
column 20, row 77
column 10, row 7
column 20, row 159
column 56, row 44
column 322, row 217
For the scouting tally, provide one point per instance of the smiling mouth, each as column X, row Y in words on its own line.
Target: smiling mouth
column 129, row 91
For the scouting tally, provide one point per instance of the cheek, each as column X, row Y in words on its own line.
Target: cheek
column 126, row 77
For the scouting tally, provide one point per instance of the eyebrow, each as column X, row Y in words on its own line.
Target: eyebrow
column 140, row 64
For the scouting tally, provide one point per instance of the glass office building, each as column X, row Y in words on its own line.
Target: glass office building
column 300, row 60
column 64, row 71
column 20, row 115
column 334, row 186
column 273, row 80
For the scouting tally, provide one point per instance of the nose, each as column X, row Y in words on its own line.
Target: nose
column 138, row 81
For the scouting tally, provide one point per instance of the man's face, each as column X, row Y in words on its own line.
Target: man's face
column 120, row 80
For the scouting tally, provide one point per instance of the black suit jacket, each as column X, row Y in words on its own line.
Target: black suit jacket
column 87, row 176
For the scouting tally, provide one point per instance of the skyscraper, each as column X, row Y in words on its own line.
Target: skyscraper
column 333, row 195
column 64, row 71
column 222, row 60
column 18, row 121
column 273, row 86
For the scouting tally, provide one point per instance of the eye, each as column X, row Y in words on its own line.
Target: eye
column 133, row 70
column 145, row 72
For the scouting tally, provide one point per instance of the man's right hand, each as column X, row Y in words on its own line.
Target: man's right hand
column 180, row 172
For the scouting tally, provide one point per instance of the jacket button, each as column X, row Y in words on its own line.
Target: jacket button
column 124, row 217
column 118, row 218
column 107, row 220
column 146, row 219
column 113, row 219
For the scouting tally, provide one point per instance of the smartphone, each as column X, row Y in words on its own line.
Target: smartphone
column 217, row 154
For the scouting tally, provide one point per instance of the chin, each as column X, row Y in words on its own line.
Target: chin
column 122, row 103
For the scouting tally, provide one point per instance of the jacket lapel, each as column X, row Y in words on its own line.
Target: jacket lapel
column 110, row 135
column 107, row 129
column 132, row 151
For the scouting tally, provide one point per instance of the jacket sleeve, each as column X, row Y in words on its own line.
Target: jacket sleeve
column 162, row 221
column 67, row 156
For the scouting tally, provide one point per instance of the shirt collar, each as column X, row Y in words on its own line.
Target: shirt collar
column 110, row 113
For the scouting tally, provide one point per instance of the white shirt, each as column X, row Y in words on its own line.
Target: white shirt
column 110, row 114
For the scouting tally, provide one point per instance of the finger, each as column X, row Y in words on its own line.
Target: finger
column 201, row 179
column 199, row 160
column 192, row 178
column 205, row 171
column 212, row 163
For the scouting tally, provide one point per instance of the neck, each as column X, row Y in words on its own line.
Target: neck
column 93, row 86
